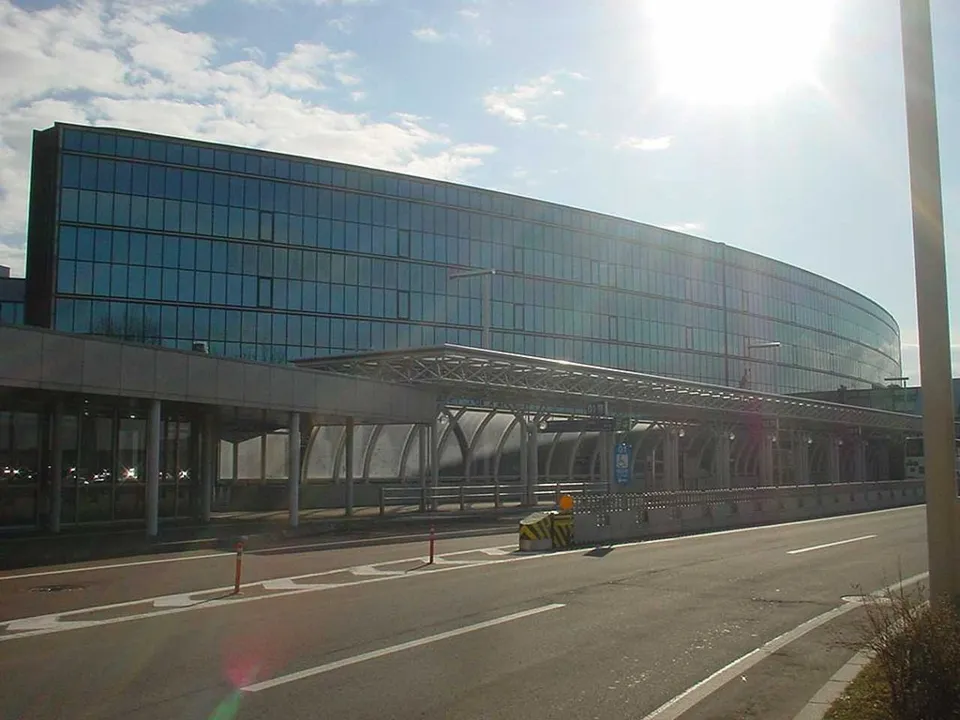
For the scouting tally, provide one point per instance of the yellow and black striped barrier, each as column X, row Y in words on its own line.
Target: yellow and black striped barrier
column 535, row 531
column 546, row 530
column 561, row 530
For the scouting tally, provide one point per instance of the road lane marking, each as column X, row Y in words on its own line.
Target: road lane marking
column 393, row 649
column 112, row 566
column 829, row 545
column 677, row 706
column 333, row 544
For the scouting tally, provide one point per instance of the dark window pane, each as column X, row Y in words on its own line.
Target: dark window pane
column 69, row 200
column 104, row 208
column 118, row 280
column 70, row 171
column 185, row 286
column 66, row 276
column 85, row 242
column 170, row 279
column 87, row 209
column 153, row 283
column 106, row 169
column 101, row 279
column 121, row 210
column 266, row 226
column 203, row 254
column 155, row 250
column 202, row 287
column 83, row 280
column 102, row 245
column 220, row 221
column 171, row 252
column 72, row 140
column 135, row 282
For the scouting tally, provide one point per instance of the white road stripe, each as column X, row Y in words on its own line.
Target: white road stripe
column 344, row 544
column 677, row 706
column 382, row 652
column 829, row 545
column 112, row 566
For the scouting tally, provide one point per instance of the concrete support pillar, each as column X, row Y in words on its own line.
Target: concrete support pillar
column 801, row 459
column 434, row 461
column 56, row 468
column 263, row 459
column 859, row 460
column 766, row 478
column 605, row 456
column 422, row 466
column 152, row 487
column 721, row 458
column 883, row 462
column 236, row 461
column 348, row 467
column 293, row 469
column 533, row 461
column 209, row 456
column 524, row 461
column 671, row 459
column 833, row 460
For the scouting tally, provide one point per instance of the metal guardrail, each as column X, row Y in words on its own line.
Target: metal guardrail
column 607, row 503
column 497, row 493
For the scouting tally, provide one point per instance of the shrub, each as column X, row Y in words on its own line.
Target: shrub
column 916, row 649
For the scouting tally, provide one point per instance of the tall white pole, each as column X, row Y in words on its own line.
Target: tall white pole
column 932, row 314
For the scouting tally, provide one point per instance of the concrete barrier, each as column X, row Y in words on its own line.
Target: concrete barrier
column 602, row 519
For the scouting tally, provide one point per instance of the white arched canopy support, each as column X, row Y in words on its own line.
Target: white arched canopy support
column 475, row 441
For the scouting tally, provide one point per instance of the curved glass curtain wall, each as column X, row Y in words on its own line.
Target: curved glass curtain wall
column 273, row 258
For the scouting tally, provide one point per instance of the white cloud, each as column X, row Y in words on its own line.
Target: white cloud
column 357, row 95
column 686, row 227
column 342, row 24
column 468, row 13
column 513, row 104
column 124, row 64
column 648, row 144
column 910, row 358
column 427, row 34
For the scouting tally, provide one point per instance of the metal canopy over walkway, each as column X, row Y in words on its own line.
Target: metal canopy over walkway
column 489, row 378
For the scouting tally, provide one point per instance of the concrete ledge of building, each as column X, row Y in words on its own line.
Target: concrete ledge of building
column 25, row 550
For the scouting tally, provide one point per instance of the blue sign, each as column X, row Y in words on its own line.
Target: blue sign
column 621, row 463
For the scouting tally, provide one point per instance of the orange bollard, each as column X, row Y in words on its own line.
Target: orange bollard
column 433, row 542
column 236, row 576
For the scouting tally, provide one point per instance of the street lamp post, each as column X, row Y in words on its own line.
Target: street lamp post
column 933, row 321
column 486, row 291
column 771, row 345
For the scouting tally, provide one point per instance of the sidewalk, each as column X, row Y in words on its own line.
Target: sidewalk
column 260, row 530
column 820, row 703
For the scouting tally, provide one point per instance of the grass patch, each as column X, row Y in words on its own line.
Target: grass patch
column 866, row 698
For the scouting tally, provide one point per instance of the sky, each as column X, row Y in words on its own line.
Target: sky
column 777, row 126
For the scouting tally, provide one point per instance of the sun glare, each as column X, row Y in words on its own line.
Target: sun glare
column 736, row 51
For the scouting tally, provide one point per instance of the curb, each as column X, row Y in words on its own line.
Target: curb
column 821, row 702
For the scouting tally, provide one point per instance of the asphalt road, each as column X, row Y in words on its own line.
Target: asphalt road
column 372, row 632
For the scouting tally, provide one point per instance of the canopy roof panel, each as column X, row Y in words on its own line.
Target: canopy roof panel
column 494, row 379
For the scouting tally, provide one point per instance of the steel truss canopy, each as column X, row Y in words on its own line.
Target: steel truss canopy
column 494, row 379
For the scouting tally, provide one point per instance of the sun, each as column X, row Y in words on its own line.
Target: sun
column 736, row 51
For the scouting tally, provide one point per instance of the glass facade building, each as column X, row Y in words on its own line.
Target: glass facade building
column 12, row 298
column 272, row 257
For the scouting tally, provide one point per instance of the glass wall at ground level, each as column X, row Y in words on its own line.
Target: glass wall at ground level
column 103, row 462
